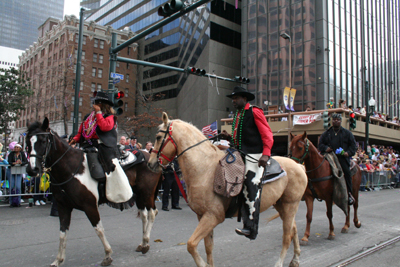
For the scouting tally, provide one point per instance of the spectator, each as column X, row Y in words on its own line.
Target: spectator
column 139, row 146
column 16, row 158
column 351, row 107
column 342, row 103
column 148, row 147
column 364, row 170
column 133, row 144
column 122, row 142
column 357, row 110
column 375, row 157
column 170, row 185
column 308, row 108
column 38, row 199
column 331, row 103
column 363, row 111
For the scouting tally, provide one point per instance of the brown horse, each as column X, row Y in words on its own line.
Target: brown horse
column 317, row 167
column 198, row 159
column 73, row 187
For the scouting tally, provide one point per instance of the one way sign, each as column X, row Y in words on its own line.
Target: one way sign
column 117, row 76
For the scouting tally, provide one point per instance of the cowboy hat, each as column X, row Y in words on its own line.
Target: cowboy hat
column 102, row 98
column 238, row 90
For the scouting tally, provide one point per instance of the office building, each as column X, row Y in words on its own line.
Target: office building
column 208, row 38
column 337, row 45
column 50, row 64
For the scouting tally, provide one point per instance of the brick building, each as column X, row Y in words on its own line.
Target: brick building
column 50, row 64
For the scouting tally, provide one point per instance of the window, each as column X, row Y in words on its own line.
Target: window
column 82, row 70
column 93, row 88
column 74, row 68
column 101, row 59
column 126, row 106
column 126, row 92
column 101, row 44
column 127, row 66
column 49, row 61
column 50, row 47
column 62, row 38
column 96, row 42
column 93, row 72
column 56, row 43
column 94, row 57
column 83, row 55
column 79, row 116
column 61, row 53
column 99, row 87
column 100, row 73
column 42, row 52
column 84, row 39
column 127, row 78
column 81, row 86
column 118, row 64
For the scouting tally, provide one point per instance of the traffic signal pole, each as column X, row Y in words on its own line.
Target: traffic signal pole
column 113, row 62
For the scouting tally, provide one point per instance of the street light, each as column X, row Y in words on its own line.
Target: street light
column 371, row 105
column 286, row 36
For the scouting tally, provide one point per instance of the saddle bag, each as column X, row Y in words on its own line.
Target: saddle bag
column 229, row 174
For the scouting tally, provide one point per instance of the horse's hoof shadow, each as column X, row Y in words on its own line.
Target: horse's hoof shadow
column 145, row 249
column 303, row 243
column 107, row 261
column 345, row 230
column 331, row 237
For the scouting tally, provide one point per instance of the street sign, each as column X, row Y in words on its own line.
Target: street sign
column 117, row 76
column 115, row 81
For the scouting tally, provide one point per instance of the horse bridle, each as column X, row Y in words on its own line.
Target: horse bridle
column 168, row 132
column 301, row 160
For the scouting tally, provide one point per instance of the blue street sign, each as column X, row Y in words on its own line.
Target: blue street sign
column 115, row 81
column 117, row 76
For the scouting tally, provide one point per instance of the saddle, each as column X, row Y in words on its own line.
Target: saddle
column 272, row 172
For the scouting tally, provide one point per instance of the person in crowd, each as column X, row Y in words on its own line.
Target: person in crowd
column 308, row 108
column 122, row 142
column 128, row 142
column 139, row 146
column 363, row 110
column 375, row 157
column 16, row 158
column 148, row 147
column 331, row 103
column 252, row 135
column 170, row 185
column 351, row 108
column 357, row 110
column 333, row 139
column 342, row 103
column 364, row 169
column 38, row 199
column 132, row 144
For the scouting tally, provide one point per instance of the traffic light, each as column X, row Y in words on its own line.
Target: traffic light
column 170, row 8
column 118, row 103
column 326, row 119
column 196, row 71
column 353, row 121
column 241, row 79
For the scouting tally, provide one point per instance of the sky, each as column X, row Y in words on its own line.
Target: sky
column 71, row 7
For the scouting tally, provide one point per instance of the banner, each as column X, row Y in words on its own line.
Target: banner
column 286, row 95
column 292, row 95
column 306, row 119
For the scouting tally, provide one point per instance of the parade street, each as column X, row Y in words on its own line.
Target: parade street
column 30, row 237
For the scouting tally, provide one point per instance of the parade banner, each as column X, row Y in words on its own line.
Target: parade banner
column 292, row 95
column 286, row 95
column 306, row 119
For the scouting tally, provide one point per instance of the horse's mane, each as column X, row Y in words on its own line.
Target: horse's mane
column 191, row 127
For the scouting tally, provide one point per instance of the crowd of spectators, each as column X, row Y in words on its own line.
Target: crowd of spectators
column 378, row 159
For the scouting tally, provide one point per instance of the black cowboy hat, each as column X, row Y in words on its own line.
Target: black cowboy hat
column 238, row 90
column 102, row 97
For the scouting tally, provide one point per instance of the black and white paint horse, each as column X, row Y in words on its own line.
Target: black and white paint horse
column 73, row 187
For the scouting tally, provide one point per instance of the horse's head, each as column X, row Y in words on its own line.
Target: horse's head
column 299, row 147
column 165, row 148
column 38, row 142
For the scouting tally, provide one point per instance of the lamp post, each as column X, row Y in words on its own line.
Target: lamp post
column 286, row 36
column 370, row 109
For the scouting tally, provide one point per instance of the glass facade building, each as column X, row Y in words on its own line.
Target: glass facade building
column 336, row 46
column 177, row 44
column 20, row 20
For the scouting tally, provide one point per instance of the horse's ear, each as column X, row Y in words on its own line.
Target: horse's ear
column 165, row 118
column 304, row 136
column 291, row 136
column 45, row 124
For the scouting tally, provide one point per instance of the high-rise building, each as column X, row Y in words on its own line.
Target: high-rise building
column 20, row 20
column 208, row 38
column 50, row 64
column 336, row 46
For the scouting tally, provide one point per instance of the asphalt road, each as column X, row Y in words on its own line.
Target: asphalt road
column 29, row 237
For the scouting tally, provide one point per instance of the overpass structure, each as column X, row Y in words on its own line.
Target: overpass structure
column 380, row 132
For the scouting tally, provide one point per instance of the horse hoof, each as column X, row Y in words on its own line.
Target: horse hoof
column 294, row 264
column 331, row 237
column 139, row 248
column 345, row 230
column 358, row 224
column 145, row 249
column 107, row 261
column 303, row 243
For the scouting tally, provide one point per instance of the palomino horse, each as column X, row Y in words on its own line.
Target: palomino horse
column 198, row 160
column 73, row 187
column 303, row 150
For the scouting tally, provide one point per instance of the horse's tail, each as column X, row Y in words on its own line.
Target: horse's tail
column 273, row 217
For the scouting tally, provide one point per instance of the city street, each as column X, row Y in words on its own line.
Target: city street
column 30, row 237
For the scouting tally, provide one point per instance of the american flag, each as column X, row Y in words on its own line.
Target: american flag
column 210, row 129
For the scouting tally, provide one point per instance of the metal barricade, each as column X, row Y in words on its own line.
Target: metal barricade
column 29, row 185
column 378, row 180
